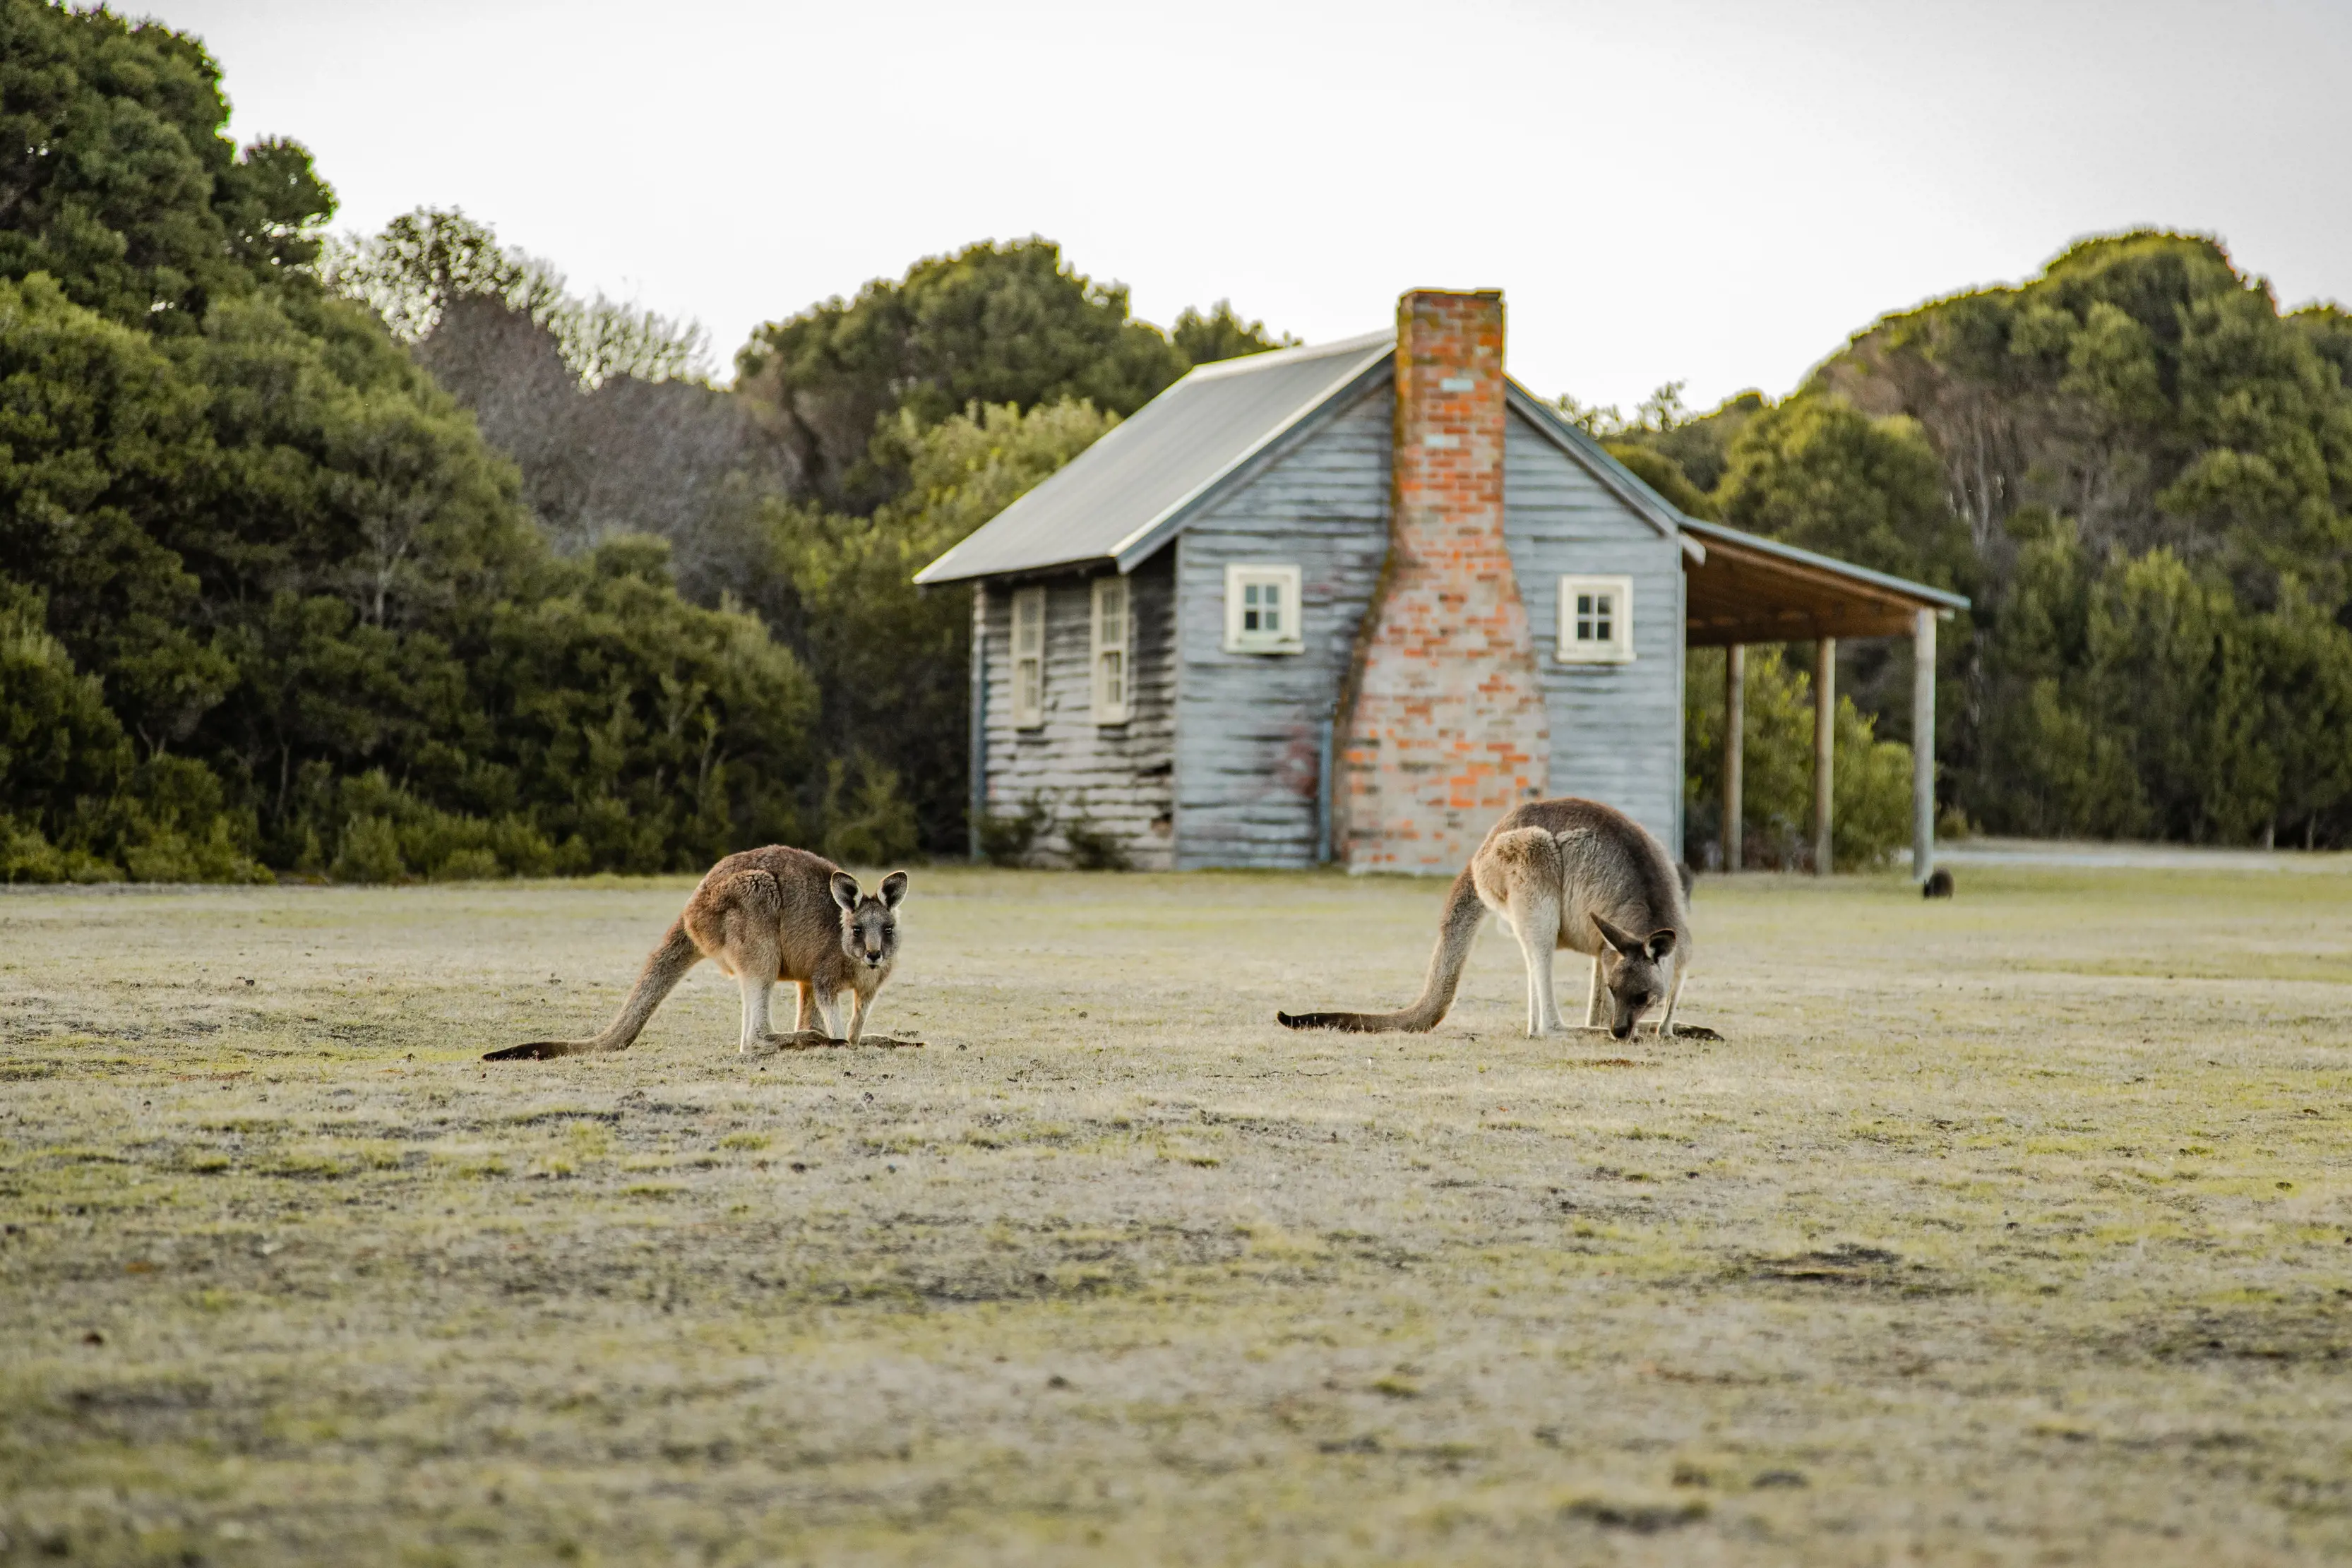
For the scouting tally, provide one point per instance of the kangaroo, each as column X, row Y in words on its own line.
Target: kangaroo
column 1564, row 873
column 766, row 916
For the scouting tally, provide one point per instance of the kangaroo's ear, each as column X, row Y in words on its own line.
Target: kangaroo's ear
column 1625, row 941
column 845, row 890
column 894, row 888
column 1662, row 942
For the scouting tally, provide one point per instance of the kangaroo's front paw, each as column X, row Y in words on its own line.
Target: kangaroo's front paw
column 1693, row 1032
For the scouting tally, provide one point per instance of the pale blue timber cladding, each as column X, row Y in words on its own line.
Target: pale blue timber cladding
column 1616, row 729
column 1118, row 777
column 1248, row 725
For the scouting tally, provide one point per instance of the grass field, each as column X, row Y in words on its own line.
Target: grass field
column 2012, row 1230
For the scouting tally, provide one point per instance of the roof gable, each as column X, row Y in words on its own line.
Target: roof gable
column 1127, row 494
column 1611, row 475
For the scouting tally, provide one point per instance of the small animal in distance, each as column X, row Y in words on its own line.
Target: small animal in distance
column 763, row 916
column 1565, row 874
column 1938, row 885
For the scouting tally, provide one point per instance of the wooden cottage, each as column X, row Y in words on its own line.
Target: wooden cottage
column 1353, row 601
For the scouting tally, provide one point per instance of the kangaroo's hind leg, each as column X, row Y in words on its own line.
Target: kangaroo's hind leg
column 755, row 961
column 1535, row 915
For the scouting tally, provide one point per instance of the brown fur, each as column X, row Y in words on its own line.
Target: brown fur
column 764, row 917
column 1567, row 874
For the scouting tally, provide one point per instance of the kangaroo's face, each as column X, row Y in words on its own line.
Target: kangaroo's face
column 869, row 921
column 1637, row 972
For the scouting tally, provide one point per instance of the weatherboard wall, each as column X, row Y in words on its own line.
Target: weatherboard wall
column 1616, row 729
column 1249, row 725
column 1116, row 777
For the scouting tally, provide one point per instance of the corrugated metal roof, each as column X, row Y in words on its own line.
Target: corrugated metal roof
column 1127, row 494
column 1121, row 497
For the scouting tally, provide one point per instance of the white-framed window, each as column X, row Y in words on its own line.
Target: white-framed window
column 1596, row 619
column 1261, row 608
column 1113, row 646
column 1028, row 657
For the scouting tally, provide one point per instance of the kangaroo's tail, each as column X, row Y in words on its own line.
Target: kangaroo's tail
column 663, row 970
column 1463, row 914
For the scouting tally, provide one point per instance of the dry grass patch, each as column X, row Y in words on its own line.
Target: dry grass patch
column 2012, row 1229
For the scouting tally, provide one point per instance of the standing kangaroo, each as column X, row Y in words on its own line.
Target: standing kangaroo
column 766, row 916
column 1564, row 873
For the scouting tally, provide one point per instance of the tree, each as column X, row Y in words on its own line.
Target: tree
column 1009, row 324
column 891, row 659
column 1220, row 334
column 264, row 591
column 1870, row 779
column 430, row 259
column 1818, row 473
column 115, row 180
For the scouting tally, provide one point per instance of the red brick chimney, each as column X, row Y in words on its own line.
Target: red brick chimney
column 1446, row 731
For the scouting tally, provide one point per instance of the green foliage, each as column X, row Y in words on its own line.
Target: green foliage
column 115, row 180
column 1870, row 816
column 2154, row 469
column 2151, row 701
column 1818, row 473
column 990, row 324
column 1220, row 334
column 264, row 592
column 424, row 260
column 1664, row 475
column 871, row 824
column 1008, row 840
column 892, row 660
column 1092, row 847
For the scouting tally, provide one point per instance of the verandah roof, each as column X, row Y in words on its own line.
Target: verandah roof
column 1750, row 589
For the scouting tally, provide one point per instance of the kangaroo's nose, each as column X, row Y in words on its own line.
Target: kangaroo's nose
column 1620, row 1030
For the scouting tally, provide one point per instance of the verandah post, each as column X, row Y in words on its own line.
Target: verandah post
column 1735, row 746
column 1824, row 747
column 1923, row 743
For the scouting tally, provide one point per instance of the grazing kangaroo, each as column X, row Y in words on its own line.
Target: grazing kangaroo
column 1565, row 874
column 766, row 916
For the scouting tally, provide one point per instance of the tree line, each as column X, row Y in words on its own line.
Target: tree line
column 2140, row 468
column 391, row 557
column 397, row 559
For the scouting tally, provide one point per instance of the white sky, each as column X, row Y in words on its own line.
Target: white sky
column 1706, row 190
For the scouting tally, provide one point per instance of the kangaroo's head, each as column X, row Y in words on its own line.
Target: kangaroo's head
column 869, row 921
column 1636, row 971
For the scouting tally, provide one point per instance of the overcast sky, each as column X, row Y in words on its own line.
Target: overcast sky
column 1702, row 190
